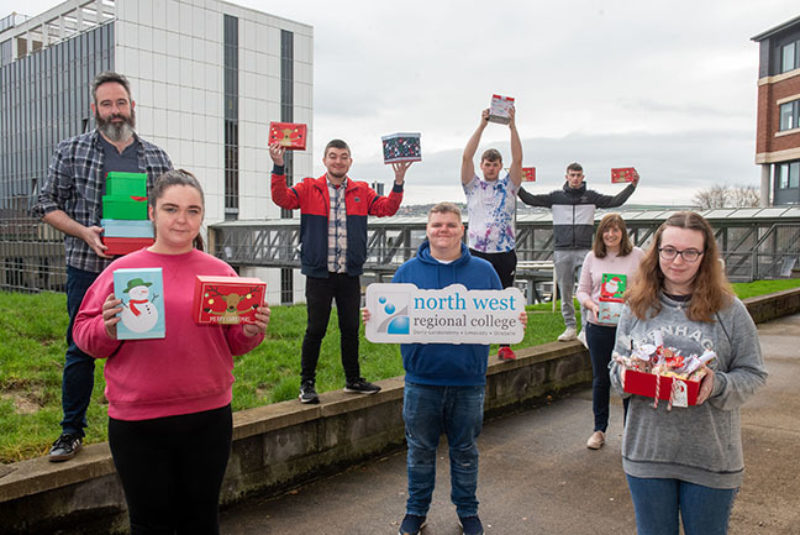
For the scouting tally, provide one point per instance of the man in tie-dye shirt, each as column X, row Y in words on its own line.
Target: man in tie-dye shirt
column 491, row 204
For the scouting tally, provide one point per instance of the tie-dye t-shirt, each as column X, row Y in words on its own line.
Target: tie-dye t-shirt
column 490, row 207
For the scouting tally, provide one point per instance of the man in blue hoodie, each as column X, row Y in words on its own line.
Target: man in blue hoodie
column 444, row 383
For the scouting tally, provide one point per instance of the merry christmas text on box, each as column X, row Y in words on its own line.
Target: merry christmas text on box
column 227, row 300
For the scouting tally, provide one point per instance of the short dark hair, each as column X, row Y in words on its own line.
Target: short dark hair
column 492, row 155
column 337, row 144
column 445, row 208
column 574, row 166
column 177, row 177
column 110, row 76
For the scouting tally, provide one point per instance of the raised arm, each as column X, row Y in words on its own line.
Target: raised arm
column 282, row 195
column 467, row 160
column 515, row 172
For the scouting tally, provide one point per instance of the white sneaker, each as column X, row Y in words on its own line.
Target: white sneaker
column 582, row 338
column 596, row 441
column 568, row 335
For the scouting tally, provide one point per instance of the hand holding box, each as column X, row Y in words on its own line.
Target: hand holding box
column 402, row 147
column 227, row 300
column 292, row 136
column 620, row 175
column 499, row 109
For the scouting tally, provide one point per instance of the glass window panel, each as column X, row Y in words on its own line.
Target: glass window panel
column 788, row 57
column 794, row 174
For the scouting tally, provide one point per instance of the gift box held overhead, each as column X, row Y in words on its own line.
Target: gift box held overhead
column 529, row 174
column 292, row 136
column 125, row 225
column 623, row 174
column 499, row 109
column 402, row 147
column 227, row 300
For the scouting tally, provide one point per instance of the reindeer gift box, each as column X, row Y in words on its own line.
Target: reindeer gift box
column 227, row 300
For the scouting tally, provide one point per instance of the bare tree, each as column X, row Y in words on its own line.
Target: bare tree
column 713, row 197
column 721, row 196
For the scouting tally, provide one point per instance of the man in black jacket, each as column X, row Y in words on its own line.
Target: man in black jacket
column 573, row 229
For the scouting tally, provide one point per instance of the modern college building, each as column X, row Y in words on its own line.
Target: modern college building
column 778, row 128
column 207, row 77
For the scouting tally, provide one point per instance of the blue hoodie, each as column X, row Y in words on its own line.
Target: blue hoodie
column 446, row 364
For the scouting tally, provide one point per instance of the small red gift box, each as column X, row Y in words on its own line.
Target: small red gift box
column 623, row 174
column 529, row 174
column 289, row 135
column 227, row 300
column 122, row 246
column 644, row 384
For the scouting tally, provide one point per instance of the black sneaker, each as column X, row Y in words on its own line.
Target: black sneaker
column 411, row 525
column 307, row 393
column 65, row 447
column 471, row 525
column 360, row 386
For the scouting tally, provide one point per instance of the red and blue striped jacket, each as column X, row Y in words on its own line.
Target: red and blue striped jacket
column 311, row 196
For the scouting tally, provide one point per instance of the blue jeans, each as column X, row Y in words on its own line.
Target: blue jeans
column 704, row 510
column 429, row 411
column 601, row 340
column 77, row 380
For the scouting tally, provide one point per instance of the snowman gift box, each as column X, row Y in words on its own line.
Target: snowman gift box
column 227, row 300
column 142, row 295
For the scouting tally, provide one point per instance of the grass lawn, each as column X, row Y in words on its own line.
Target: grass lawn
column 32, row 357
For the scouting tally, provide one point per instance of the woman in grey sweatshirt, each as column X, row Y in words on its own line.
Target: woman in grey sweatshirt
column 687, row 461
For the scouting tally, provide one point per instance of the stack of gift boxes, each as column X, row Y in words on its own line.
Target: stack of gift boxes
column 125, row 224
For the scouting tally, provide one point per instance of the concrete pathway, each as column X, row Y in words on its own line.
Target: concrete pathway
column 537, row 476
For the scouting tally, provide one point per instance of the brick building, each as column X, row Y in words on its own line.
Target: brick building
column 778, row 119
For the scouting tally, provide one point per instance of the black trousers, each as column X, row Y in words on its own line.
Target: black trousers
column 320, row 293
column 171, row 470
column 504, row 264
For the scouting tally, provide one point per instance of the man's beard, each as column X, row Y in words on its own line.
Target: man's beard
column 116, row 132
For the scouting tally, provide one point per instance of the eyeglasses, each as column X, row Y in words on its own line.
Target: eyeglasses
column 689, row 255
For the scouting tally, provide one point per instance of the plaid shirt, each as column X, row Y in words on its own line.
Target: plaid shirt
column 74, row 185
column 337, row 228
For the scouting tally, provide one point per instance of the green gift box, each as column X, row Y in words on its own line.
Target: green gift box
column 131, row 207
column 118, row 183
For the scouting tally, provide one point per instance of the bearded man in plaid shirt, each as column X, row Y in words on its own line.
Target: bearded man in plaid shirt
column 71, row 201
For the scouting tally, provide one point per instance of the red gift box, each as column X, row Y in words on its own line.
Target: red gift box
column 289, row 135
column 644, row 384
column 227, row 300
column 123, row 246
column 623, row 174
column 529, row 174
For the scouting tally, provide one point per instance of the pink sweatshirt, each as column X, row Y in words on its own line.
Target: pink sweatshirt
column 188, row 371
column 592, row 274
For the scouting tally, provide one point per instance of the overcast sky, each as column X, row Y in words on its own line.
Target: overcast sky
column 668, row 87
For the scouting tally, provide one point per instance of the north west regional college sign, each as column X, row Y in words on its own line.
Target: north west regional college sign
column 402, row 314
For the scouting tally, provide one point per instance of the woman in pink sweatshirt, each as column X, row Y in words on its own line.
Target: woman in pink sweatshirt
column 170, row 421
column 608, row 269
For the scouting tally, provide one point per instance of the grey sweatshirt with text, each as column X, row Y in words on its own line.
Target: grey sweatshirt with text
column 700, row 444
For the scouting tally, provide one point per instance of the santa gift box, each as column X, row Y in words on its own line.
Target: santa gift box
column 529, row 174
column 623, row 174
column 292, row 136
column 141, row 292
column 679, row 392
column 402, row 147
column 227, row 300
column 499, row 109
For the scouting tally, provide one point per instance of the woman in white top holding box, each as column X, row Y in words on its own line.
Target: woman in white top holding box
column 608, row 269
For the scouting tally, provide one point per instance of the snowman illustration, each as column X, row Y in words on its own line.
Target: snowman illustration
column 139, row 314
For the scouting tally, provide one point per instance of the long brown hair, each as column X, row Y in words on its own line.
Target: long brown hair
column 611, row 220
column 177, row 177
column 711, row 290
